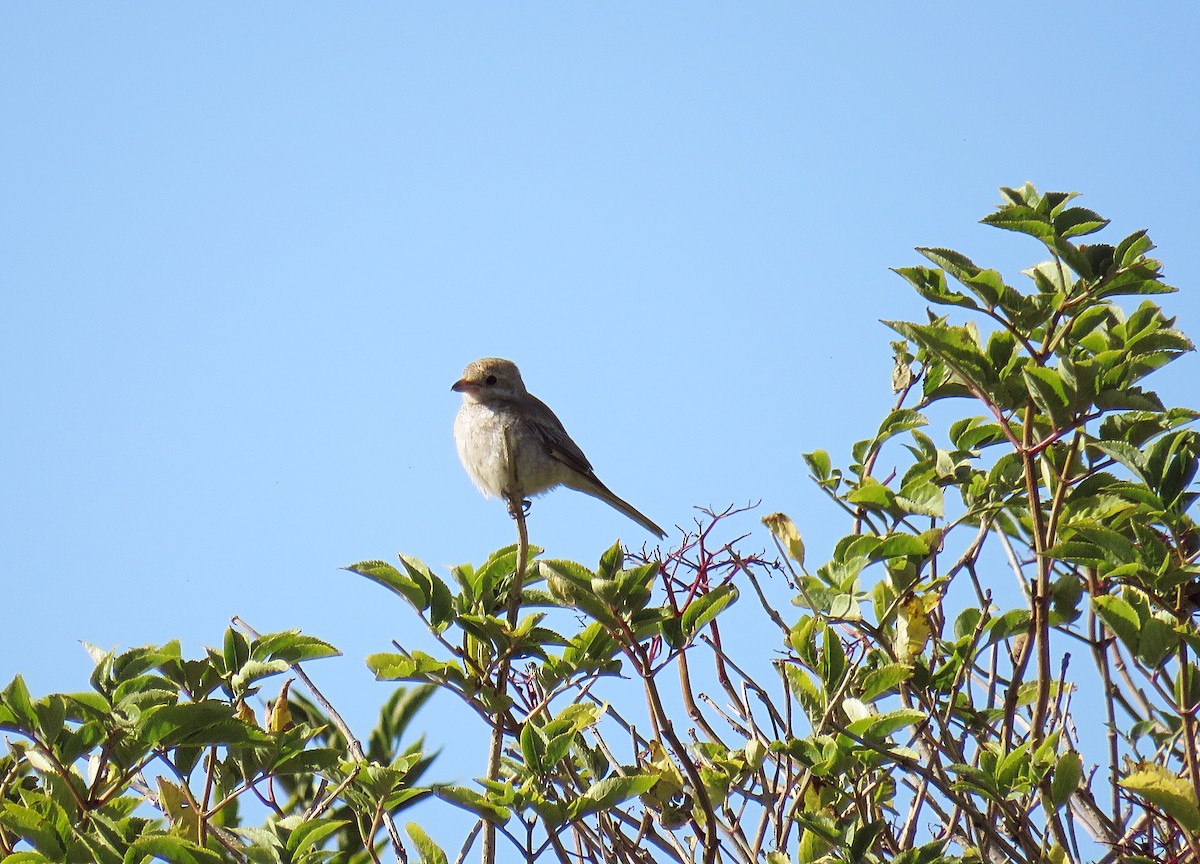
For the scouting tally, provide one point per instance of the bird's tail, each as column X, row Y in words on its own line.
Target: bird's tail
column 592, row 486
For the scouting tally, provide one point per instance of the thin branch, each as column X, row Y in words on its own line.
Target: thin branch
column 469, row 842
column 516, row 509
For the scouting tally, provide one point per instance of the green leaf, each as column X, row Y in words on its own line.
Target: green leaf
column 636, row 585
column 844, row 607
column 881, row 681
column 819, row 463
column 900, row 420
column 306, row 762
column 26, row 857
column 672, row 633
column 1172, row 464
column 872, row 493
column 1048, row 392
column 1137, row 279
column 1117, row 548
column 898, row 545
column 291, row 646
column 51, row 712
column 922, row 498
column 880, row 726
column 1037, row 219
column 429, row 851
column 558, row 747
column 609, row 792
column 955, row 263
column 1067, row 774
column 1077, row 222
column 1128, row 399
column 569, row 571
column 610, row 562
column 33, row 827
column 1001, row 627
column 973, row 433
column 1173, row 794
column 967, row 622
column 989, row 286
column 863, row 838
column 956, row 346
column 1121, row 618
column 498, row 568
column 441, row 604
column 196, row 723
column 310, row 833
column 931, row 284
column 254, row 670
column 1131, row 250
column 533, row 747
column 16, row 699
column 172, row 849
column 137, row 661
column 571, row 584
column 1022, row 219
column 262, row 845
column 817, row 838
column 833, row 660
column 1126, row 454
column 469, row 799
column 1051, row 279
column 236, row 650
column 415, row 666
column 1157, row 641
column 389, row 577
column 706, row 607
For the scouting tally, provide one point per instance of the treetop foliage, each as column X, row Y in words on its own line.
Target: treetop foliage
column 997, row 662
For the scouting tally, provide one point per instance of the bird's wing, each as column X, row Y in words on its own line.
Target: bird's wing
column 550, row 432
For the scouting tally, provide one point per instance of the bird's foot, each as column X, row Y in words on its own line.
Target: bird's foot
column 513, row 503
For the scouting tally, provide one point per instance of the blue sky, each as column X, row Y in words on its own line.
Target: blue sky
column 248, row 247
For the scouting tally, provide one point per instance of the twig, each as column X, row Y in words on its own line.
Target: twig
column 469, row 842
column 516, row 509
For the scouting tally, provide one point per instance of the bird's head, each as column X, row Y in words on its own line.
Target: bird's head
column 491, row 377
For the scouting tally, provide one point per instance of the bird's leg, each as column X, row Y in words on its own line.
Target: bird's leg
column 512, row 495
column 514, row 502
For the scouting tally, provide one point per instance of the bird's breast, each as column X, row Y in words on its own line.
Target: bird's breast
column 501, row 455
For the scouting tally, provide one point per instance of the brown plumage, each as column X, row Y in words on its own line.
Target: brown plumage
column 513, row 446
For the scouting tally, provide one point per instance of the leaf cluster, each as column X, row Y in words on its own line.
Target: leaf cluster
column 154, row 760
column 922, row 700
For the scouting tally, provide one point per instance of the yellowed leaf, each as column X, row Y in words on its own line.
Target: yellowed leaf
column 787, row 534
column 912, row 628
column 279, row 718
column 1175, row 795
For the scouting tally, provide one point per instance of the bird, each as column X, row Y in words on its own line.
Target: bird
column 513, row 446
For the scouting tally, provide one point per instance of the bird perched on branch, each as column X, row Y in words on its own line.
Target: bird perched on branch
column 513, row 446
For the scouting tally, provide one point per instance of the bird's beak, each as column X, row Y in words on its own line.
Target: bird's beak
column 462, row 385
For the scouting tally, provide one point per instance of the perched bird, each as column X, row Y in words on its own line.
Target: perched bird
column 513, row 446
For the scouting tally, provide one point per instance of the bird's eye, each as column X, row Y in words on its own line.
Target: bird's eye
column 490, row 380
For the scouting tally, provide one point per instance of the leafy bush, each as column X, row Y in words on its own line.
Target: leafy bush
column 153, row 761
column 924, row 702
